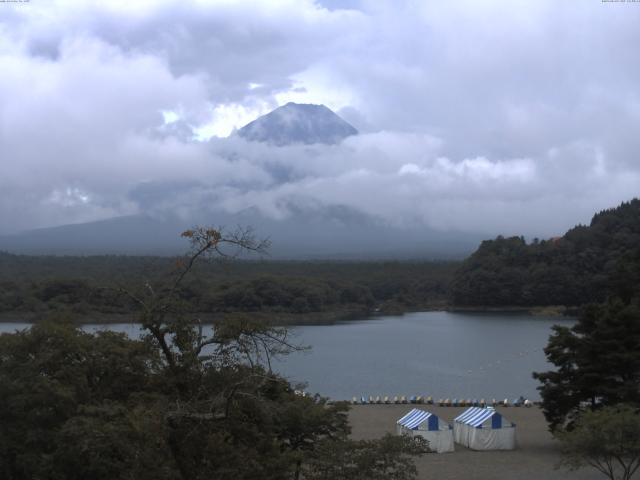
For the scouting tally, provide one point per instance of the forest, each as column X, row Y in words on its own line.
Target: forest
column 586, row 265
column 88, row 287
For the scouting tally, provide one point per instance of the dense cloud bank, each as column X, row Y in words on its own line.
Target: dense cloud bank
column 510, row 117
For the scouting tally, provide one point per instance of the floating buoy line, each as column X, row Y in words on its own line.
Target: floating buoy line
column 452, row 402
column 442, row 402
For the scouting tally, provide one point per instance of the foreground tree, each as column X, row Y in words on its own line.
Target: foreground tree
column 597, row 360
column 181, row 403
column 607, row 440
column 70, row 405
column 389, row 457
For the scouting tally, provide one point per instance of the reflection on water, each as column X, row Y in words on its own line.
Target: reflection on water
column 429, row 353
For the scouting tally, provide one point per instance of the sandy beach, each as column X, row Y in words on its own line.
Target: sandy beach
column 535, row 458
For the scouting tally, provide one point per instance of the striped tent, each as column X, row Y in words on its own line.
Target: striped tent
column 484, row 429
column 427, row 425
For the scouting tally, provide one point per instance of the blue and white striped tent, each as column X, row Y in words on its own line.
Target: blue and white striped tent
column 484, row 429
column 427, row 425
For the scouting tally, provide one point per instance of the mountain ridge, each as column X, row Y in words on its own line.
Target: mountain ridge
column 325, row 233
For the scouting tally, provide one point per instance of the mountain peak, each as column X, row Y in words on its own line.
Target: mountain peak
column 292, row 123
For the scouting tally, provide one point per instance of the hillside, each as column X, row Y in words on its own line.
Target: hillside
column 328, row 232
column 587, row 264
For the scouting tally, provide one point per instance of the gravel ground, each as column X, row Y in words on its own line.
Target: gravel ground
column 535, row 457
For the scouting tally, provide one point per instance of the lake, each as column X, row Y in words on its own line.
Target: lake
column 442, row 354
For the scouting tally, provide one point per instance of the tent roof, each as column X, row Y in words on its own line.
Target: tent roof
column 475, row 416
column 414, row 418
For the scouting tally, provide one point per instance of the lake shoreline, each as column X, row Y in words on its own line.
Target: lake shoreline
column 406, row 355
column 289, row 319
column 539, row 310
column 273, row 318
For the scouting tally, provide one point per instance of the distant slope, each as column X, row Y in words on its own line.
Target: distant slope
column 298, row 123
column 586, row 265
column 136, row 234
column 329, row 233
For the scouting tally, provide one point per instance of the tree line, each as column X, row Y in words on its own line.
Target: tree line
column 80, row 285
column 588, row 264
column 592, row 397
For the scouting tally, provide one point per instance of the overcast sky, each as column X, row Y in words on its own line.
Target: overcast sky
column 486, row 116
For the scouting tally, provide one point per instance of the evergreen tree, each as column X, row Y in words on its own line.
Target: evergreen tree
column 586, row 265
column 597, row 360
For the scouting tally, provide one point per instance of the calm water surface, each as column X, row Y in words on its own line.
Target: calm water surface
column 430, row 353
column 441, row 354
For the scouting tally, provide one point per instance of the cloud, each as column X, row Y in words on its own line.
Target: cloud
column 497, row 117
